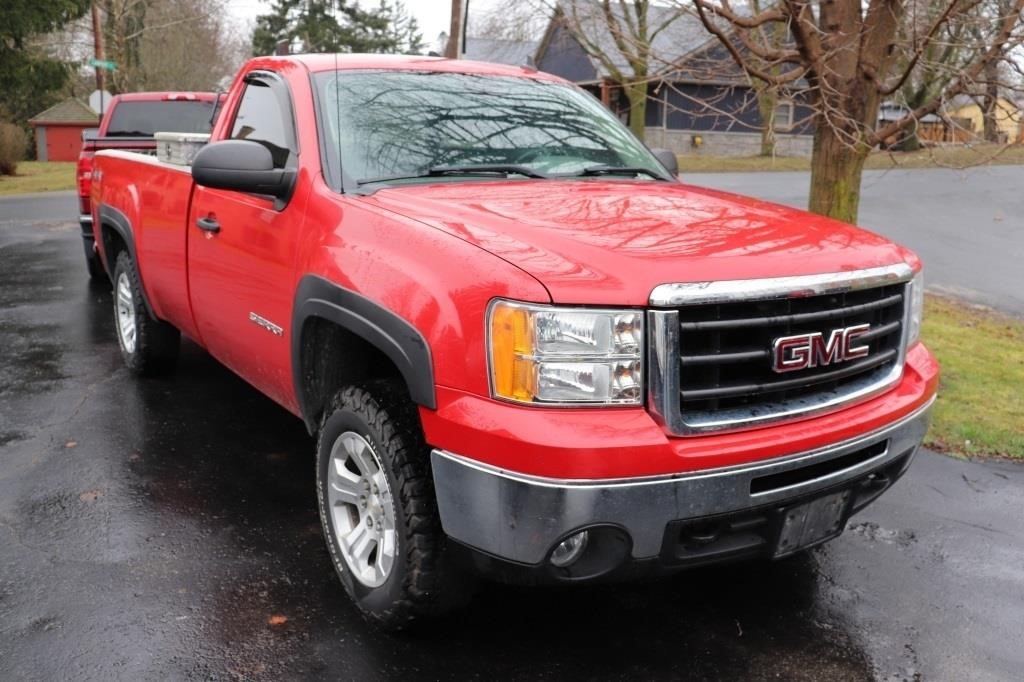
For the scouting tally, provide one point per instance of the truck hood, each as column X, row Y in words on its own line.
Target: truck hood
column 611, row 242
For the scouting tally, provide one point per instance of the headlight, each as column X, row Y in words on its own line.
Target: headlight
column 916, row 310
column 546, row 355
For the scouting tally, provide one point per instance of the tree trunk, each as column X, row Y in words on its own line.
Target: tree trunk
column 636, row 93
column 991, row 124
column 910, row 140
column 836, row 169
column 767, row 98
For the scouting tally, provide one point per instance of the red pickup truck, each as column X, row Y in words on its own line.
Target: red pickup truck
column 128, row 124
column 526, row 348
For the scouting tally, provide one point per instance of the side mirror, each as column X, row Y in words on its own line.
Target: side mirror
column 668, row 160
column 242, row 166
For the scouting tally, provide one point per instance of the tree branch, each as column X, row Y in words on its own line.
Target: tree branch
column 967, row 76
column 723, row 10
column 924, row 43
column 576, row 29
column 751, row 70
column 805, row 32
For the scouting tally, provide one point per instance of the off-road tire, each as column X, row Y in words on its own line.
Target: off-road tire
column 423, row 581
column 156, row 343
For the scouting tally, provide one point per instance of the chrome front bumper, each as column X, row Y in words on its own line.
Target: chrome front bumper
column 520, row 518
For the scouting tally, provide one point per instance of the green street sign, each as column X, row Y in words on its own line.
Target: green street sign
column 103, row 64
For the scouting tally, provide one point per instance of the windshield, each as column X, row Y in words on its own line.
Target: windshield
column 400, row 124
column 171, row 116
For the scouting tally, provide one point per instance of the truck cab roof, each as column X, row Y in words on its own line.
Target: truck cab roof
column 329, row 62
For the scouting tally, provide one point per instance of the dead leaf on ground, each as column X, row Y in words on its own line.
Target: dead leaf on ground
column 71, row 444
column 90, row 496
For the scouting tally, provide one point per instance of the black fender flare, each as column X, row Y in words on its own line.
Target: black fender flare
column 392, row 335
column 119, row 223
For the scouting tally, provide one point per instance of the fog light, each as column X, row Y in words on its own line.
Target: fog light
column 570, row 549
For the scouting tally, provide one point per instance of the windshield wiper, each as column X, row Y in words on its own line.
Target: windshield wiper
column 619, row 170
column 506, row 168
column 473, row 169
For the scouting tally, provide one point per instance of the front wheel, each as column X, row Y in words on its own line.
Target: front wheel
column 378, row 510
column 148, row 346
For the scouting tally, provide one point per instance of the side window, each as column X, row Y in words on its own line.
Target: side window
column 262, row 117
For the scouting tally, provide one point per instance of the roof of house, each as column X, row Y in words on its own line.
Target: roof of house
column 680, row 34
column 962, row 101
column 511, row 52
column 70, row 111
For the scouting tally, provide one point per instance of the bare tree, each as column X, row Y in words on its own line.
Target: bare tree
column 767, row 92
column 939, row 62
column 190, row 45
column 159, row 44
column 638, row 43
column 990, row 103
column 994, row 78
column 124, row 22
column 521, row 21
column 633, row 27
column 853, row 55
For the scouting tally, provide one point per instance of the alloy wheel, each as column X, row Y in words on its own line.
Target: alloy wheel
column 125, row 313
column 362, row 509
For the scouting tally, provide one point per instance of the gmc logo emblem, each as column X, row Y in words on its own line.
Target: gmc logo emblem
column 791, row 353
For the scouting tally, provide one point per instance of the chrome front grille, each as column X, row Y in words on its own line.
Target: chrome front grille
column 711, row 354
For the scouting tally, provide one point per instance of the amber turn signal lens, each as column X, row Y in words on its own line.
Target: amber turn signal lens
column 511, row 340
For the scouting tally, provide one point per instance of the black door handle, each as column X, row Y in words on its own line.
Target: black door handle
column 208, row 224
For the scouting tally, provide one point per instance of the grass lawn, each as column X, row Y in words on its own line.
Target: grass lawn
column 35, row 176
column 948, row 157
column 980, row 409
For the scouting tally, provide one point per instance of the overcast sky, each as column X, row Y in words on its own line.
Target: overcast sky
column 433, row 15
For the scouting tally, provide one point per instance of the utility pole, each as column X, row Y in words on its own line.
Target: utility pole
column 97, row 39
column 455, row 36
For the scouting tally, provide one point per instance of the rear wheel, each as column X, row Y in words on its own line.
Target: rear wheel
column 148, row 346
column 378, row 510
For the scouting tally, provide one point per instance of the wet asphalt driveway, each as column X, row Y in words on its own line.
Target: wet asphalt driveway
column 167, row 529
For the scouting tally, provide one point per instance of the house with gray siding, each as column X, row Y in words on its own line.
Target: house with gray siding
column 699, row 101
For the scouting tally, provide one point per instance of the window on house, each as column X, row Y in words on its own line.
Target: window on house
column 783, row 119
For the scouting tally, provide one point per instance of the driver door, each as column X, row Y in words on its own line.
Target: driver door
column 241, row 252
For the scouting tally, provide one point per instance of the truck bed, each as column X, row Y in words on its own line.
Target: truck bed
column 149, row 192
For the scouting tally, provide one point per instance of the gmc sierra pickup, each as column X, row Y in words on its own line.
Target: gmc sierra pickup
column 525, row 347
column 128, row 124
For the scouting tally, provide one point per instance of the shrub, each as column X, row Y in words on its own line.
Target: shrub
column 13, row 143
